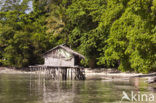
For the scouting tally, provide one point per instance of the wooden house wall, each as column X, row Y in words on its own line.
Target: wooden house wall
column 55, row 58
column 58, row 62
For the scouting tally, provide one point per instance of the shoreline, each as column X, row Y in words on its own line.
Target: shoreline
column 95, row 74
column 9, row 70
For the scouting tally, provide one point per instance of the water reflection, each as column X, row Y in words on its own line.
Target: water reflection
column 40, row 89
column 54, row 91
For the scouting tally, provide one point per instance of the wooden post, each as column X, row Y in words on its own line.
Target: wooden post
column 71, row 74
column 60, row 73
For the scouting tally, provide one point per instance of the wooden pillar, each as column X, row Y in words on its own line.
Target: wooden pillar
column 60, row 73
column 64, row 75
column 74, row 71
column 71, row 73
column 69, row 77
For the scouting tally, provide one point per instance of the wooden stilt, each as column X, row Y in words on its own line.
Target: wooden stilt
column 60, row 73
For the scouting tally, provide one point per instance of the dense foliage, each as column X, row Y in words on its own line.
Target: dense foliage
column 110, row 33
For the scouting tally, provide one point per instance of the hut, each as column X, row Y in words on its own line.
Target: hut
column 62, row 63
column 62, row 56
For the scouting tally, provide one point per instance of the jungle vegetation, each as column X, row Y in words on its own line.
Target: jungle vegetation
column 109, row 33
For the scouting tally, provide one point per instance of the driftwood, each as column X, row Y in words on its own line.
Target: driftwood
column 151, row 79
column 146, row 75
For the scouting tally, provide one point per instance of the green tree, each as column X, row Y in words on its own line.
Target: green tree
column 85, row 36
column 23, row 38
column 131, row 41
column 110, row 33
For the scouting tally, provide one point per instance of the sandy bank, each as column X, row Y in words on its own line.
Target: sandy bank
column 113, row 74
column 109, row 72
column 6, row 70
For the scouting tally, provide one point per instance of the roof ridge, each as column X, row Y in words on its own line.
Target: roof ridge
column 67, row 49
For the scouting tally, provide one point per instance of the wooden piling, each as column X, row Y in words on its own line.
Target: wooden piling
column 60, row 73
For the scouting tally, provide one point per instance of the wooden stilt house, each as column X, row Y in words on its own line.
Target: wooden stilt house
column 62, row 63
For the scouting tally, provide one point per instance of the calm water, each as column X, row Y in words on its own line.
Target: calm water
column 32, row 89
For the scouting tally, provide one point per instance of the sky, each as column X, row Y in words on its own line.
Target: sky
column 30, row 5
